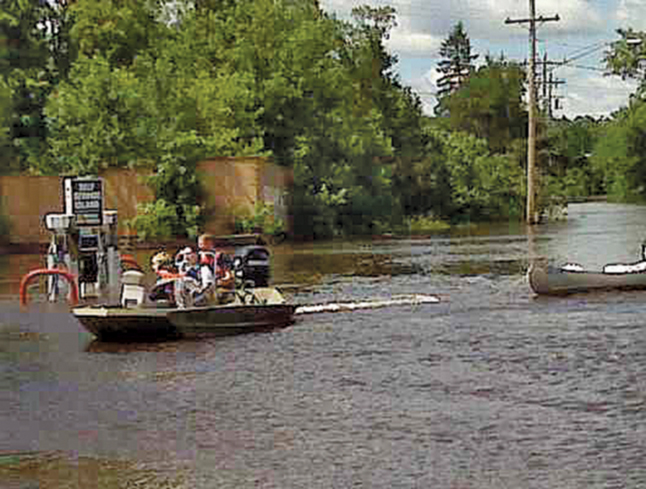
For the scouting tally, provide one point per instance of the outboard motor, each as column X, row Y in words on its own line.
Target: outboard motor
column 251, row 266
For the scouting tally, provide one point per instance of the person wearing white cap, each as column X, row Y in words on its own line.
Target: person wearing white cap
column 188, row 286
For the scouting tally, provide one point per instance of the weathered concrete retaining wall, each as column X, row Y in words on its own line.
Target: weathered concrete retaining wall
column 231, row 185
column 25, row 200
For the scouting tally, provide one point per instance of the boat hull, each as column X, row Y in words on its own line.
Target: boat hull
column 555, row 281
column 221, row 321
column 113, row 323
column 116, row 324
column 123, row 324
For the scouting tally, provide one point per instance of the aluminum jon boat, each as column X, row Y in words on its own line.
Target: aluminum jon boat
column 572, row 278
column 249, row 310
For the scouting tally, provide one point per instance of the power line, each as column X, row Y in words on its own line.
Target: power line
column 591, row 68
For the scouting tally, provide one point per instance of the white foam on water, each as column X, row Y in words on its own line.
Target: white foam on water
column 407, row 300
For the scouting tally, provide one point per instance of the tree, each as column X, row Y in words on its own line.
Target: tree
column 626, row 55
column 218, row 77
column 423, row 181
column 34, row 57
column 115, row 29
column 166, row 108
column 566, row 150
column 489, row 104
column 619, row 154
column 458, row 178
column 457, row 62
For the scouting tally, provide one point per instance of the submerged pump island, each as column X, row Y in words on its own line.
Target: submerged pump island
column 84, row 265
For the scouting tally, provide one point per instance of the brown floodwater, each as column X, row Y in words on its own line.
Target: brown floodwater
column 492, row 387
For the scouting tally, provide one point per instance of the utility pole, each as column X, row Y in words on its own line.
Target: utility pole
column 547, row 82
column 544, row 80
column 532, row 217
column 549, row 100
column 552, row 83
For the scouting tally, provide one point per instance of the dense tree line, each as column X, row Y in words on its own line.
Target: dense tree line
column 164, row 84
column 608, row 155
column 619, row 157
column 86, row 85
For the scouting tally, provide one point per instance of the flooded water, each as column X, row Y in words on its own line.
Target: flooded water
column 492, row 387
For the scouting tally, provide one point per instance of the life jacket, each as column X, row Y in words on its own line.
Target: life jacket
column 212, row 260
column 166, row 274
column 208, row 257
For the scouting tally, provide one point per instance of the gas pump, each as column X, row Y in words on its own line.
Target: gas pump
column 84, row 241
column 58, row 253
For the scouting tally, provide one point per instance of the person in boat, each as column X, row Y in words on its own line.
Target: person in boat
column 216, row 276
column 214, row 271
column 187, row 285
column 166, row 272
column 162, row 265
column 186, row 262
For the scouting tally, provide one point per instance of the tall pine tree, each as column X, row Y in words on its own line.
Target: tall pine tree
column 457, row 62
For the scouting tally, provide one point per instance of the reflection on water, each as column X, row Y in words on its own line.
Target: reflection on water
column 492, row 387
column 596, row 234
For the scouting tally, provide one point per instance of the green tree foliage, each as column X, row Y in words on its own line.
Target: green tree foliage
column 423, row 181
column 115, row 29
column 620, row 154
column 6, row 94
column 483, row 185
column 626, row 55
column 489, row 104
column 460, row 179
column 322, row 88
column 457, row 62
column 235, row 78
column 34, row 56
column 161, row 85
column 472, row 164
column 165, row 106
column 565, row 155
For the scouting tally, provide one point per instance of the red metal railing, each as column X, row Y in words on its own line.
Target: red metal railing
column 71, row 279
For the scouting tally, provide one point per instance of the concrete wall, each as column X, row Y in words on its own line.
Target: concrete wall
column 233, row 186
column 230, row 185
column 123, row 190
column 25, row 201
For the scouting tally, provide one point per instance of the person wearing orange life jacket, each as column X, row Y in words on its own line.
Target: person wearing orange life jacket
column 213, row 271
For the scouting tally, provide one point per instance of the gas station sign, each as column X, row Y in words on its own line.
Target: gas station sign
column 84, row 199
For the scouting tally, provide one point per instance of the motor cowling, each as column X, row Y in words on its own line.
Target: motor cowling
column 132, row 290
column 251, row 266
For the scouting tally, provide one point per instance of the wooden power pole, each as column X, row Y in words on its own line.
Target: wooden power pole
column 532, row 216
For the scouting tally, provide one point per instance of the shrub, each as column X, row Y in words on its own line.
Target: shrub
column 262, row 219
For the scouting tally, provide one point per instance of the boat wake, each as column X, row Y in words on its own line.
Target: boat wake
column 404, row 300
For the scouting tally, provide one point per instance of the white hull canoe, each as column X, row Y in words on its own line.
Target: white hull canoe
column 153, row 323
column 556, row 281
